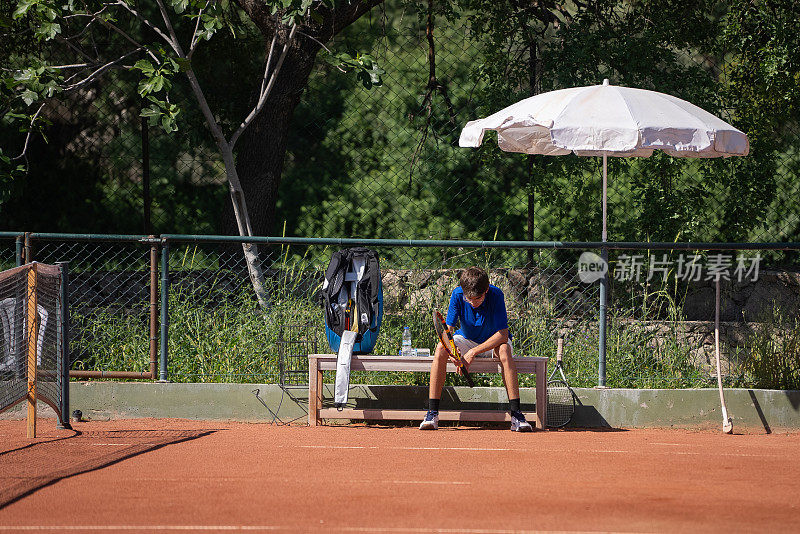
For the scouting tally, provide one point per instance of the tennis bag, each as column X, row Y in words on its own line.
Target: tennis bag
column 352, row 296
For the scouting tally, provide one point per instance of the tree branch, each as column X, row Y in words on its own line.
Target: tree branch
column 269, row 62
column 263, row 97
column 433, row 86
column 127, row 37
column 195, row 41
column 24, row 152
column 99, row 71
column 147, row 23
column 174, row 43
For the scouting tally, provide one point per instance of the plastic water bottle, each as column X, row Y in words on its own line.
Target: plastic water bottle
column 406, row 352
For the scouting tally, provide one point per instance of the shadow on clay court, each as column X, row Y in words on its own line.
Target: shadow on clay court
column 29, row 468
column 31, row 445
column 759, row 411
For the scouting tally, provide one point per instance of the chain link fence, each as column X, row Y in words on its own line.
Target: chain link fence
column 109, row 298
column 213, row 314
column 659, row 333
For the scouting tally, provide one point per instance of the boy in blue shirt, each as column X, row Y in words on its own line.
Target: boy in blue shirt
column 480, row 308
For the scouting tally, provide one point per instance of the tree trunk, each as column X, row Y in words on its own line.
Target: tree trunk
column 262, row 147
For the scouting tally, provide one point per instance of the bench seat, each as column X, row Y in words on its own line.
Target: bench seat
column 317, row 363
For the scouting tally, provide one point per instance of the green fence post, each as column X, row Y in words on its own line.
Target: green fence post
column 63, row 336
column 164, row 308
column 19, row 250
column 601, row 358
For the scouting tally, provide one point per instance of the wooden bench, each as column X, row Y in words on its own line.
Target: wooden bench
column 317, row 363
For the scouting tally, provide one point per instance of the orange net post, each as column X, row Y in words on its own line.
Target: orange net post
column 32, row 327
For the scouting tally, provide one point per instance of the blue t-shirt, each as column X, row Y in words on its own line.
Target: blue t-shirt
column 481, row 323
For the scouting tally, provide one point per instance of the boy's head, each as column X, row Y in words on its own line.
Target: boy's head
column 475, row 282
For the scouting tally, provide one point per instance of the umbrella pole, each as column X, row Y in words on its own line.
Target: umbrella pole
column 605, row 189
column 601, row 357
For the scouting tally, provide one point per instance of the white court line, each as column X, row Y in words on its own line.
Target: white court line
column 444, row 482
column 399, row 448
column 110, row 444
column 139, row 527
column 537, row 451
column 468, row 449
column 734, row 454
column 321, row 527
column 286, row 480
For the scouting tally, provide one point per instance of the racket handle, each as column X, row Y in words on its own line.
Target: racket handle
column 467, row 377
column 560, row 349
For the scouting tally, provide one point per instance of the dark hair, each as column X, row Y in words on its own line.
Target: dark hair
column 474, row 281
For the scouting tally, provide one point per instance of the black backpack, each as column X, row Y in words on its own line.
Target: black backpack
column 336, row 293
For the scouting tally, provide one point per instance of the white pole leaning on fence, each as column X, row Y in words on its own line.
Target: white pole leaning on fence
column 727, row 423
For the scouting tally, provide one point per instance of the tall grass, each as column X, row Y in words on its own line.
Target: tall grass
column 217, row 333
column 111, row 341
column 770, row 354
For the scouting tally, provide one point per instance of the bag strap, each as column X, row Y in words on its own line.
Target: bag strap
column 334, row 280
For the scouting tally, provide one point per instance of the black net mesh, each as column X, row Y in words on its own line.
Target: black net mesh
column 18, row 292
column 13, row 370
column 49, row 374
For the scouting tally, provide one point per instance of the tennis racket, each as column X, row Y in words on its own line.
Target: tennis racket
column 560, row 398
column 449, row 344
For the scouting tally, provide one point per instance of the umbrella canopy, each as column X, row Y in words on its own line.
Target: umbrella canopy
column 608, row 120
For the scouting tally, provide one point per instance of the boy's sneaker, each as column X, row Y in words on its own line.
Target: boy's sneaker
column 431, row 421
column 519, row 424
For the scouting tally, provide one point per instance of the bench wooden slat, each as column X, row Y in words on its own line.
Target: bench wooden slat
column 411, row 415
column 317, row 363
column 327, row 362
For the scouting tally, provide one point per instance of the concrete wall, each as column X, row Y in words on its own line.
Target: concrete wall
column 753, row 410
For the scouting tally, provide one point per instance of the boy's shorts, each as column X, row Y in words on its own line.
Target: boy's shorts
column 465, row 344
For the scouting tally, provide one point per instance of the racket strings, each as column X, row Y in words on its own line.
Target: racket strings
column 560, row 404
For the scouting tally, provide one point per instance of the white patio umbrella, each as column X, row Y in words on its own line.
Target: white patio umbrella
column 608, row 120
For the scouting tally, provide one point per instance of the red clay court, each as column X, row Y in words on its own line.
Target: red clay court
column 165, row 475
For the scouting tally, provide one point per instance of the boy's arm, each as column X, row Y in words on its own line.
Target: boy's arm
column 499, row 337
column 494, row 341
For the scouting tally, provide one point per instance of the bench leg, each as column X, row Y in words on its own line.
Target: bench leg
column 541, row 396
column 313, row 391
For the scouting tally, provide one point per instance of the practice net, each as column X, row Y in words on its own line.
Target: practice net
column 38, row 287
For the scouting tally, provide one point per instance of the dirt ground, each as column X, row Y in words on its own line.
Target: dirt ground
column 165, row 475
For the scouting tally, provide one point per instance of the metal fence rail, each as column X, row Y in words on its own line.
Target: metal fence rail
column 188, row 301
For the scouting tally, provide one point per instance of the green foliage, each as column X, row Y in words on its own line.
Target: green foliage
column 380, row 162
column 770, row 354
column 68, row 72
column 156, row 78
column 368, row 72
column 763, row 74
column 45, row 13
column 219, row 334
column 110, row 342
